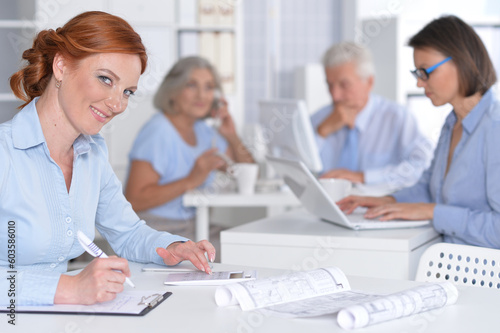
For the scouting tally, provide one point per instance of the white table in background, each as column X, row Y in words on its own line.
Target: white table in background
column 276, row 202
column 193, row 309
column 300, row 240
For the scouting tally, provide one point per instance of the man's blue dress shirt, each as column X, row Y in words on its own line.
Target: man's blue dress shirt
column 392, row 150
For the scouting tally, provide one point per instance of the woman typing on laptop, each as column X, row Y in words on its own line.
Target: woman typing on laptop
column 459, row 192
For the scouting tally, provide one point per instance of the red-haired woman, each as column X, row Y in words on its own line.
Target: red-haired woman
column 55, row 178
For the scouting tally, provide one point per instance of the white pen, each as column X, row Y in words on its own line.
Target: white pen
column 95, row 251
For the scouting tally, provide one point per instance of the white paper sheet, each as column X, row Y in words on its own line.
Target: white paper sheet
column 131, row 302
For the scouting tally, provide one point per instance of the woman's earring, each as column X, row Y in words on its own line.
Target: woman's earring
column 58, row 83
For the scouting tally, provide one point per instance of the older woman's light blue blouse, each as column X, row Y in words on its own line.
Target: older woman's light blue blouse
column 159, row 144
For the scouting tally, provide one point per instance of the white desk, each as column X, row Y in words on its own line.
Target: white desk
column 276, row 202
column 299, row 240
column 203, row 201
column 193, row 309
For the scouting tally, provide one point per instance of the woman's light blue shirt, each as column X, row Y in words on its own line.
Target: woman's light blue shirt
column 34, row 196
column 172, row 158
column 468, row 196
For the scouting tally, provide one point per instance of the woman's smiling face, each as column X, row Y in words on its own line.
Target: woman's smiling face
column 96, row 89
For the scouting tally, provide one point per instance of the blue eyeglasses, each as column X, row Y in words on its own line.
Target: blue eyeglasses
column 423, row 74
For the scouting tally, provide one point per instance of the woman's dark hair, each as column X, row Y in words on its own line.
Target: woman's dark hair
column 456, row 39
column 84, row 35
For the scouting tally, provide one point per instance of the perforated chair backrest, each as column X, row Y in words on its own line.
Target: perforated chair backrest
column 461, row 265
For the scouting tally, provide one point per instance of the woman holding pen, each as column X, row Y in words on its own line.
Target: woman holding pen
column 55, row 178
column 460, row 192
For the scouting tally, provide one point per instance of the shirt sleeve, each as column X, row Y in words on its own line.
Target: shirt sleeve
column 420, row 192
column 415, row 151
column 28, row 287
column 150, row 146
column 320, row 141
column 480, row 228
column 220, row 141
column 24, row 286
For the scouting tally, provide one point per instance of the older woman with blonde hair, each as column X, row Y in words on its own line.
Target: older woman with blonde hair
column 176, row 150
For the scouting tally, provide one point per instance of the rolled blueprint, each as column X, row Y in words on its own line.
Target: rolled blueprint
column 412, row 301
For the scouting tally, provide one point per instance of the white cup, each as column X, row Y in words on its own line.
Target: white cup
column 246, row 176
column 336, row 188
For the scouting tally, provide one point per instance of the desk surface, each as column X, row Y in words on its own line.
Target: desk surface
column 226, row 197
column 193, row 309
column 285, row 197
column 202, row 200
column 197, row 198
column 300, row 228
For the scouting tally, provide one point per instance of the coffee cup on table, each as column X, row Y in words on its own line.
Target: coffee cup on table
column 336, row 188
column 246, row 176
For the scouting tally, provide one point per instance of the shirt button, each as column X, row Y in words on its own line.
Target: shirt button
column 68, row 219
column 69, row 233
column 61, row 258
column 53, row 265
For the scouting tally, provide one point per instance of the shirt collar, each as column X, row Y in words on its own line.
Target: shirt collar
column 470, row 122
column 27, row 131
column 363, row 118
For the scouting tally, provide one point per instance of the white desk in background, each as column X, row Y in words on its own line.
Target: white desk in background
column 193, row 309
column 300, row 240
column 276, row 202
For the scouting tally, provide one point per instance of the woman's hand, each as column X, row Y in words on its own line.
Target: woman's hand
column 227, row 128
column 100, row 281
column 236, row 150
column 352, row 176
column 350, row 203
column 204, row 164
column 402, row 211
column 194, row 252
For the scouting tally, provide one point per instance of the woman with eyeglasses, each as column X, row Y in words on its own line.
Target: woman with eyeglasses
column 460, row 192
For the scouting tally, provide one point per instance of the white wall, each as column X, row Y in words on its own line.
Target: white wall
column 385, row 27
column 281, row 36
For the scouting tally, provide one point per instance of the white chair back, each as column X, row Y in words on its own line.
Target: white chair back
column 461, row 265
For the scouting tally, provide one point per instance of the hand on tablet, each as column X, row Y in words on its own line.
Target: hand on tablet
column 194, row 252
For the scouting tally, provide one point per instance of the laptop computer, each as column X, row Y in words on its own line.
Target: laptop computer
column 317, row 201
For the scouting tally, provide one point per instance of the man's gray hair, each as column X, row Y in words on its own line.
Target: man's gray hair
column 178, row 77
column 343, row 52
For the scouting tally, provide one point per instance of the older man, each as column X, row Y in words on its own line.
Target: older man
column 363, row 137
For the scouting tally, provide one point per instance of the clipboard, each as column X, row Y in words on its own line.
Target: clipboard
column 127, row 303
